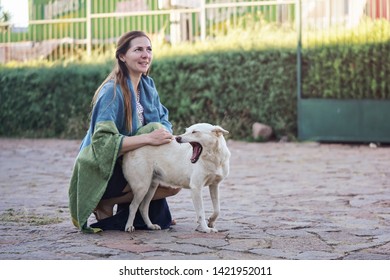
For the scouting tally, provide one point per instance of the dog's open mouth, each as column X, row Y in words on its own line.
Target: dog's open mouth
column 196, row 151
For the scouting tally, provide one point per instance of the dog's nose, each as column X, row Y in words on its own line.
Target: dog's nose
column 178, row 139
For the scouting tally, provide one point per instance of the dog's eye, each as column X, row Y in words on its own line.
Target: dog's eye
column 194, row 131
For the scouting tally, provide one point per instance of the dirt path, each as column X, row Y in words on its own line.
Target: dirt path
column 281, row 201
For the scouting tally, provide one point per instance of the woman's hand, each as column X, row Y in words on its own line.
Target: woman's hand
column 155, row 138
column 159, row 137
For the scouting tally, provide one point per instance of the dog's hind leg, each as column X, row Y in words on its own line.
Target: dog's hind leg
column 214, row 194
column 144, row 207
column 139, row 191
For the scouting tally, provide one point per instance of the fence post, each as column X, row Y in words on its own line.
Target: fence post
column 298, row 18
column 202, row 20
column 298, row 11
column 89, row 26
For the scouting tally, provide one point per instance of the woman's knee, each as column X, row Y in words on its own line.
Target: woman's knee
column 174, row 191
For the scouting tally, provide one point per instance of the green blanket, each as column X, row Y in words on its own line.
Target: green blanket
column 93, row 168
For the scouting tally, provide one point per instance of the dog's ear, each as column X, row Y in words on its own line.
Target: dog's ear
column 219, row 131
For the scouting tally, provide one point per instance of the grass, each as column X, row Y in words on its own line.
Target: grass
column 26, row 217
column 366, row 32
column 251, row 33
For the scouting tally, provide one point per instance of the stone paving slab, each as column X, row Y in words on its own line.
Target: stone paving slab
column 281, row 201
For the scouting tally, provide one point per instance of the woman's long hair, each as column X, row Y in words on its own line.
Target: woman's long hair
column 120, row 73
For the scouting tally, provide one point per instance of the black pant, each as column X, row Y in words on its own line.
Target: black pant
column 117, row 182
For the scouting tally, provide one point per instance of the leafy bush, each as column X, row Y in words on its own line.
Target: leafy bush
column 347, row 72
column 45, row 102
column 230, row 88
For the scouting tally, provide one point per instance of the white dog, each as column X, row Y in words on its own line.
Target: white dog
column 197, row 158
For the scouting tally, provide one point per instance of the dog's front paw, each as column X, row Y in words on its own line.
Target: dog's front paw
column 206, row 229
column 213, row 230
column 211, row 223
column 129, row 228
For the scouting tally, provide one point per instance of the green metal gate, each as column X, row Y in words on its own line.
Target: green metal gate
column 354, row 107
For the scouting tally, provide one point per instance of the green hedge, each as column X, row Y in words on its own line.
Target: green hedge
column 47, row 102
column 357, row 71
column 232, row 89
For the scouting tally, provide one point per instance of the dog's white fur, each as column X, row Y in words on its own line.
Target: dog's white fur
column 171, row 165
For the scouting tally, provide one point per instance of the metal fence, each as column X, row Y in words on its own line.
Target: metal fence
column 58, row 30
column 70, row 30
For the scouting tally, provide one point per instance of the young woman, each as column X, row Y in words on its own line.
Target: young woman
column 127, row 114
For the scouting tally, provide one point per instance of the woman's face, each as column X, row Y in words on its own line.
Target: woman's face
column 139, row 56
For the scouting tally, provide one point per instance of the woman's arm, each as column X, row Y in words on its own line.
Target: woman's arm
column 155, row 138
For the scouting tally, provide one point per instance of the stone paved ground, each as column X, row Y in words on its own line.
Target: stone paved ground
column 281, row 201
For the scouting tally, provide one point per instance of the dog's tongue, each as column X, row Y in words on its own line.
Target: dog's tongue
column 196, row 150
